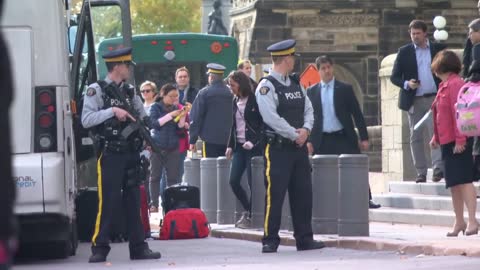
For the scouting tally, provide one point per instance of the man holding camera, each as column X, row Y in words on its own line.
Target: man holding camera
column 418, row 88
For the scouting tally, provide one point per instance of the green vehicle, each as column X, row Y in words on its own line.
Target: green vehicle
column 159, row 55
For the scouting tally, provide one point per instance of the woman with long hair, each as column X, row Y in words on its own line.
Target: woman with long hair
column 246, row 140
column 456, row 148
column 167, row 120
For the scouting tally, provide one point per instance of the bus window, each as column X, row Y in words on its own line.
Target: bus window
column 165, row 73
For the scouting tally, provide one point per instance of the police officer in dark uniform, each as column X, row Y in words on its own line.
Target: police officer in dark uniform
column 288, row 115
column 7, row 186
column 211, row 114
column 118, row 163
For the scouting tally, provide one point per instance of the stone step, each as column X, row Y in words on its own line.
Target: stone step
column 413, row 216
column 415, row 201
column 429, row 188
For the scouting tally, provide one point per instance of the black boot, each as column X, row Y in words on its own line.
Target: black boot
column 269, row 248
column 97, row 257
column 309, row 245
column 145, row 254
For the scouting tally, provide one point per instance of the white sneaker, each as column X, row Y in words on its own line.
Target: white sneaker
column 244, row 222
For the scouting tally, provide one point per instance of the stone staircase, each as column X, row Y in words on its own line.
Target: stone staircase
column 411, row 203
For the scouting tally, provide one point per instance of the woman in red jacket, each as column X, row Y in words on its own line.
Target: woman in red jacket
column 456, row 148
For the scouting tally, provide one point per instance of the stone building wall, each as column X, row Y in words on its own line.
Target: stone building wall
column 357, row 34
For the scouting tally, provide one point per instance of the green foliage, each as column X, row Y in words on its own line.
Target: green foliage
column 148, row 16
column 165, row 16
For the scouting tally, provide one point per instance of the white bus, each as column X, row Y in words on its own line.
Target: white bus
column 50, row 75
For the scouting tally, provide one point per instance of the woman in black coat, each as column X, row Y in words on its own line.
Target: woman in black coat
column 246, row 140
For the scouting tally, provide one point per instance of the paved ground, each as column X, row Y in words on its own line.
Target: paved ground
column 402, row 238
column 214, row 253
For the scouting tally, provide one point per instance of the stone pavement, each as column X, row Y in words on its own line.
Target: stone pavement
column 401, row 238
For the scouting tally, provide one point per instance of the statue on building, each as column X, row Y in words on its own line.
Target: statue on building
column 215, row 21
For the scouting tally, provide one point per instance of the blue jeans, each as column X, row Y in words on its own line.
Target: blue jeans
column 241, row 161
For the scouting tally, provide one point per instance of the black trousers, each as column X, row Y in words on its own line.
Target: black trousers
column 112, row 177
column 211, row 150
column 287, row 168
column 337, row 144
column 7, row 186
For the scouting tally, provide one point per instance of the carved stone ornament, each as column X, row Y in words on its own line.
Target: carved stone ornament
column 309, row 20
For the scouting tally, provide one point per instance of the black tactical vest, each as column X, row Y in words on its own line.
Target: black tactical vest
column 111, row 128
column 291, row 101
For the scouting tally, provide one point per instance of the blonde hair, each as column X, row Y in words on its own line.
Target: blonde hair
column 242, row 63
column 151, row 84
column 182, row 69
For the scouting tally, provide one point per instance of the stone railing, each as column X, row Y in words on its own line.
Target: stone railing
column 242, row 3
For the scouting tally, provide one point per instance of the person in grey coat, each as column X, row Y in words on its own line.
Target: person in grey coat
column 211, row 114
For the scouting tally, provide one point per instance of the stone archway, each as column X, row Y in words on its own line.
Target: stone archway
column 346, row 76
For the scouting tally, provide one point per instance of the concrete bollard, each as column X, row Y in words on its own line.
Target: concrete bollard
column 258, row 192
column 353, row 195
column 325, row 194
column 225, row 197
column 208, row 192
column 192, row 171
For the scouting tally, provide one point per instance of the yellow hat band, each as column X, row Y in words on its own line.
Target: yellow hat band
column 123, row 58
column 216, row 71
column 284, row 52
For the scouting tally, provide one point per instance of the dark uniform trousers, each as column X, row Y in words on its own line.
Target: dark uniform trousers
column 337, row 143
column 287, row 168
column 112, row 175
column 211, row 150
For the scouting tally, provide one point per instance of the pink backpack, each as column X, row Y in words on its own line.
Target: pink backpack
column 468, row 109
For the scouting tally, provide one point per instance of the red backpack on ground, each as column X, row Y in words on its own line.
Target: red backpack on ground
column 186, row 223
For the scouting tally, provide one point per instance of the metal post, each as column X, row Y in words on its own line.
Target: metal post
column 192, row 171
column 208, row 192
column 353, row 195
column 325, row 190
column 258, row 192
column 225, row 197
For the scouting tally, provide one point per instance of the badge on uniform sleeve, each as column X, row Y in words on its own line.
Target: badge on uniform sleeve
column 91, row 92
column 264, row 90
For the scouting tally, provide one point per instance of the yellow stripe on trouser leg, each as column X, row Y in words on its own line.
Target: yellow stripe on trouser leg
column 269, row 186
column 204, row 149
column 100, row 200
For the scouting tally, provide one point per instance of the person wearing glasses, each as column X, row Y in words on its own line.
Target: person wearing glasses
column 167, row 120
column 149, row 91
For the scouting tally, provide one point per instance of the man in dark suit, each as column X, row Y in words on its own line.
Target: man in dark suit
column 334, row 105
column 418, row 87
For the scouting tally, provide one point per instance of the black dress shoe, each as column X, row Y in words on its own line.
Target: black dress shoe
column 421, row 178
column 437, row 175
column 266, row 248
column 146, row 254
column 314, row 244
column 373, row 205
column 97, row 257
